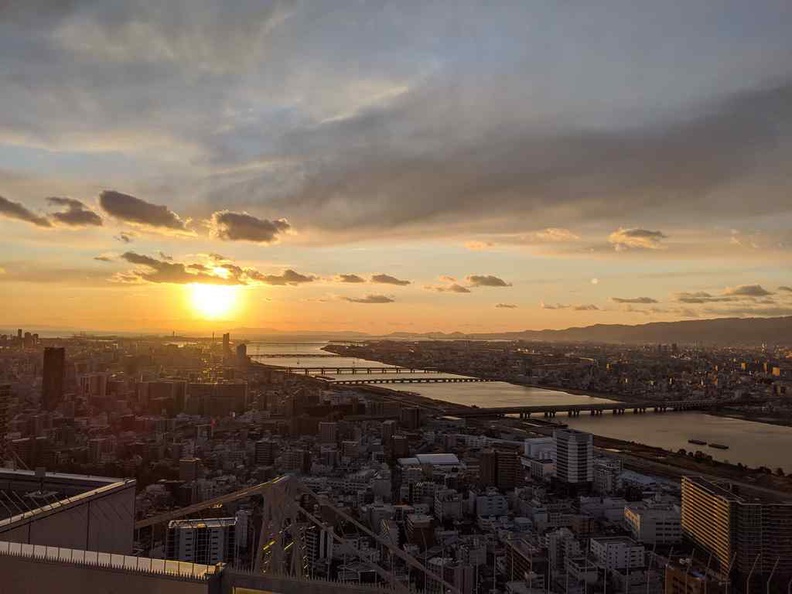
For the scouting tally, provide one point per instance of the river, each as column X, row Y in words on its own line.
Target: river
column 754, row 444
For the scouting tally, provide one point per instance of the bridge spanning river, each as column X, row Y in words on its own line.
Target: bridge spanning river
column 574, row 410
column 403, row 380
column 350, row 369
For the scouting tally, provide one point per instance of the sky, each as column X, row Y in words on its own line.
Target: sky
column 197, row 165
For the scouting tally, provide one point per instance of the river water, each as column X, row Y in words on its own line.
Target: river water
column 753, row 444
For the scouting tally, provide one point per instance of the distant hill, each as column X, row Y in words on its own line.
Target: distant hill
column 721, row 331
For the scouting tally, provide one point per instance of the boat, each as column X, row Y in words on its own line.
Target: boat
column 718, row 446
column 697, row 441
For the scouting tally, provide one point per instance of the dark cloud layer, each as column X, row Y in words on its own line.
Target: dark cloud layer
column 134, row 210
column 76, row 213
column 505, row 306
column 486, row 280
column 241, row 226
column 387, row 279
column 370, row 299
column 15, row 210
column 503, row 168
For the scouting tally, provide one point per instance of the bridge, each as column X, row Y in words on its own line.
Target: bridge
column 405, row 380
column 293, row 356
column 350, row 370
column 574, row 410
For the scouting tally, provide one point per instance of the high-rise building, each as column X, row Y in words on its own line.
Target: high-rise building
column 209, row 540
column 226, row 344
column 5, row 405
column 53, row 376
column 266, row 451
column 573, row 456
column 745, row 535
column 328, row 432
column 488, row 468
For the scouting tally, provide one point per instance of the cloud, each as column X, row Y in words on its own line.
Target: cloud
column 449, row 288
column 478, row 246
column 164, row 270
column 730, row 294
column 103, row 258
column 554, row 235
column 505, row 306
column 15, row 210
column 625, row 239
column 544, row 305
column 478, row 280
column 582, row 307
column 387, row 279
column 350, row 278
column 287, row 277
column 785, row 289
column 370, row 299
column 77, row 214
column 161, row 271
column 125, row 237
column 586, row 307
column 699, row 297
column 134, row 210
column 639, row 300
column 241, row 226
column 747, row 291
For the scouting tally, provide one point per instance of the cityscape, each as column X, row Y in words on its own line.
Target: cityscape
column 430, row 466
column 367, row 296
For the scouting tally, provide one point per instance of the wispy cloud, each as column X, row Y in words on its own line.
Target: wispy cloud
column 370, row 299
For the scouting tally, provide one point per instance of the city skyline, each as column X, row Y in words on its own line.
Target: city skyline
column 197, row 167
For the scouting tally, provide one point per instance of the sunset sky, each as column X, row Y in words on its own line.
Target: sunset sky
column 197, row 165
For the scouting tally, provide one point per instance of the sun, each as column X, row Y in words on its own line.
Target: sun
column 214, row 301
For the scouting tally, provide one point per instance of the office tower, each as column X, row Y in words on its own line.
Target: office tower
column 743, row 534
column 5, row 405
column 189, row 469
column 488, row 468
column 401, row 446
column 410, row 418
column 508, row 469
column 241, row 355
column 266, row 451
column 607, row 475
column 52, row 382
column 573, row 456
column 202, row 540
column 226, row 343
column 328, row 432
column 388, row 431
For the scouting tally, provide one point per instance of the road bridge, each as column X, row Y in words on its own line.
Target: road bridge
column 350, row 369
column 594, row 409
column 405, row 380
column 293, row 356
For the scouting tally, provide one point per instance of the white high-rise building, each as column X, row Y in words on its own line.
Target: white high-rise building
column 209, row 541
column 573, row 456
